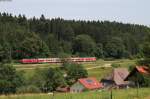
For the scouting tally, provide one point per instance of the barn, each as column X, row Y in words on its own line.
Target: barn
column 84, row 84
column 137, row 74
column 116, row 79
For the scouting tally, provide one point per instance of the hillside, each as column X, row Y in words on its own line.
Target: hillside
column 40, row 37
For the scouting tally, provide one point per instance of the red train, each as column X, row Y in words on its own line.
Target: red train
column 57, row 60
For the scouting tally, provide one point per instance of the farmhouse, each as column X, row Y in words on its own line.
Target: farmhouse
column 116, row 79
column 137, row 74
column 84, row 84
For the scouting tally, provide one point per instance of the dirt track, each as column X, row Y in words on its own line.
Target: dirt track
column 106, row 65
column 33, row 66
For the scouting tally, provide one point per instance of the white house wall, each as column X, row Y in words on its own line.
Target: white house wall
column 77, row 87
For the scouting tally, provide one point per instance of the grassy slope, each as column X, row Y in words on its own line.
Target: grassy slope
column 117, row 94
column 97, row 72
column 122, row 62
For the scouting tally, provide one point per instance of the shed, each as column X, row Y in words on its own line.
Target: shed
column 62, row 89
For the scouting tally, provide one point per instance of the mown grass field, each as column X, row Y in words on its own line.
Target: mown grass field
column 143, row 93
column 122, row 62
column 98, row 72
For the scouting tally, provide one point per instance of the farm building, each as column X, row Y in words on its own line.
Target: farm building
column 137, row 74
column 62, row 89
column 84, row 84
column 116, row 79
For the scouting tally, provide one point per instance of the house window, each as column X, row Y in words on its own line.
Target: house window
column 74, row 90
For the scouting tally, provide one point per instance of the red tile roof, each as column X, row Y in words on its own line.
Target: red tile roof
column 90, row 83
column 143, row 69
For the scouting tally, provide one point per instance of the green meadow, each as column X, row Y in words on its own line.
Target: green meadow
column 143, row 93
column 95, row 69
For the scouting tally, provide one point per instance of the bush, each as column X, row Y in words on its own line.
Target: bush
column 10, row 79
column 109, row 59
column 115, row 65
column 131, row 67
column 53, row 79
column 144, row 62
column 28, row 89
column 74, row 72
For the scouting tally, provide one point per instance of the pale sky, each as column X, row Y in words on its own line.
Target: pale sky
column 127, row 11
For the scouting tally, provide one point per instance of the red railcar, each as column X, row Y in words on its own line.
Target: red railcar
column 29, row 61
column 57, row 60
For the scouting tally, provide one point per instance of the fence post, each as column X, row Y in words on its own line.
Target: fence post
column 137, row 90
column 53, row 95
column 111, row 94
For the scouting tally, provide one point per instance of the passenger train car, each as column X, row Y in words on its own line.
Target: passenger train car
column 57, row 60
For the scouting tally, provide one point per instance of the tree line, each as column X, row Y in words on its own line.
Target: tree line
column 21, row 37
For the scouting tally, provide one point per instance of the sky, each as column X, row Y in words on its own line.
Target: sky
column 126, row 11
